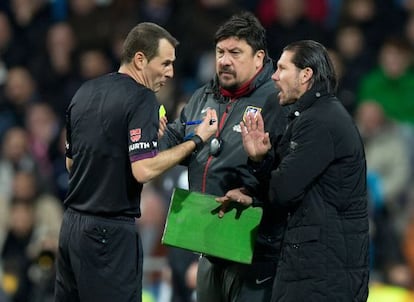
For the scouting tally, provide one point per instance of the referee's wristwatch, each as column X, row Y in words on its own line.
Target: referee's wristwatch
column 198, row 142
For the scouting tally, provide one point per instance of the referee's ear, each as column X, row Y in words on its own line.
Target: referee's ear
column 140, row 60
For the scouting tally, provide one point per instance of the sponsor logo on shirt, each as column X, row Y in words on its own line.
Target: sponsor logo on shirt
column 143, row 146
column 135, row 135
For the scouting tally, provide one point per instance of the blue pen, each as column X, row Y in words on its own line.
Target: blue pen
column 195, row 122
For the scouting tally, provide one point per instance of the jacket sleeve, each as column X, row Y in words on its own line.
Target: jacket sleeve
column 310, row 151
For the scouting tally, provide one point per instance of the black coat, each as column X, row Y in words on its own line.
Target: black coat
column 321, row 181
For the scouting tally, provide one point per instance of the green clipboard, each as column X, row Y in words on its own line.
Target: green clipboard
column 193, row 224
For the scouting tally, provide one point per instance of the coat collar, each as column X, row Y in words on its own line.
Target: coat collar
column 307, row 100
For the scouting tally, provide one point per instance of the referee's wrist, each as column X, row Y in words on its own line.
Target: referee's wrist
column 198, row 141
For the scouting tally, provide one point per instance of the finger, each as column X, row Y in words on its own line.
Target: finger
column 260, row 123
column 223, row 208
column 243, row 128
column 249, row 122
column 253, row 121
column 221, row 199
column 266, row 139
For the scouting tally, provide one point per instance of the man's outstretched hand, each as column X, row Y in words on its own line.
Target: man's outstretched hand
column 256, row 141
column 239, row 195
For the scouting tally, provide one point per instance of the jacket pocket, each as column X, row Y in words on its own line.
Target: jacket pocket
column 302, row 234
column 303, row 254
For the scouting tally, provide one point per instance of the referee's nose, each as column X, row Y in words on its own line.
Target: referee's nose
column 169, row 72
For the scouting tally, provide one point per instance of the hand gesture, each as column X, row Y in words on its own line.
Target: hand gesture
column 209, row 125
column 239, row 195
column 256, row 141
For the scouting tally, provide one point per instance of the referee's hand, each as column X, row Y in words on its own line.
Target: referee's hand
column 209, row 125
column 162, row 127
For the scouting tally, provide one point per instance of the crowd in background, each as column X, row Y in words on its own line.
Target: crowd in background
column 48, row 48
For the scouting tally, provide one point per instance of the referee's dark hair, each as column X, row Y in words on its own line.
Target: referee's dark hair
column 145, row 37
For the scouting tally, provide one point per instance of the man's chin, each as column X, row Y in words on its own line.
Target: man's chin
column 228, row 85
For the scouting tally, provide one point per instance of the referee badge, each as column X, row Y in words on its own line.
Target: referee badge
column 251, row 109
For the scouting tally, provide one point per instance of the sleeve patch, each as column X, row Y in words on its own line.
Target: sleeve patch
column 135, row 135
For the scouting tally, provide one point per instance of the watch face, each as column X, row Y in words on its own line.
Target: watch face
column 215, row 146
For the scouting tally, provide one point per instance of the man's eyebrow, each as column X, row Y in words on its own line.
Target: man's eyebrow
column 229, row 49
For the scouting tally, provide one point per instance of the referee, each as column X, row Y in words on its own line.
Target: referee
column 111, row 150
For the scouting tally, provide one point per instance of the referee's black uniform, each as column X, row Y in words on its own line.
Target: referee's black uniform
column 111, row 122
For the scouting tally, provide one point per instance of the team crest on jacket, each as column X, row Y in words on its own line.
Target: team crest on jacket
column 135, row 135
column 251, row 109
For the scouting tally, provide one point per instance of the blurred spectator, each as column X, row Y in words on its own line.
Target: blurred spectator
column 409, row 30
column 12, row 50
column 151, row 224
column 124, row 12
column 158, row 11
column 388, row 171
column 150, row 227
column 40, row 250
column 15, row 156
column 94, row 63
column 357, row 60
column 31, row 19
column 291, row 24
column 43, row 129
column 391, row 82
column 55, row 69
column 365, row 15
column 90, row 23
column 386, row 152
column 408, row 246
column 47, row 211
column 345, row 93
column 315, row 10
column 386, row 291
column 198, row 21
column 19, row 91
column 14, row 253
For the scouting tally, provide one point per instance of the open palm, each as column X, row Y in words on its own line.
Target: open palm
column 256, row 141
